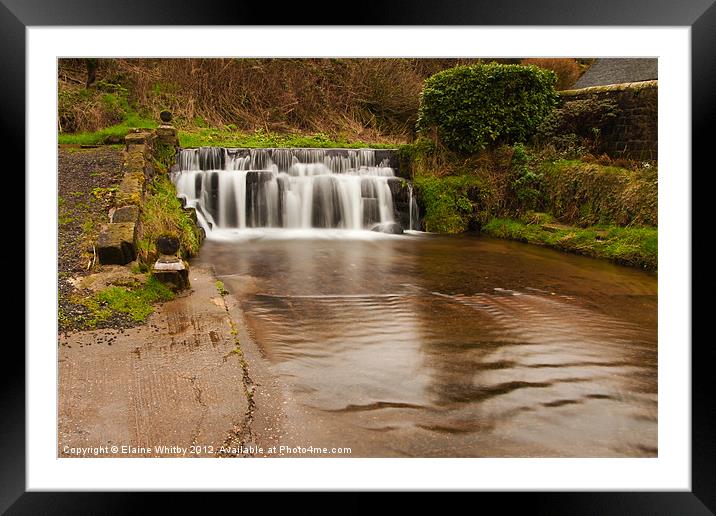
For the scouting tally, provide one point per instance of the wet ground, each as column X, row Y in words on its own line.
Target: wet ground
column 173, row 387
column 435, row 346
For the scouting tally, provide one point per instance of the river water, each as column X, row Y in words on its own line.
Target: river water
column 448, row 346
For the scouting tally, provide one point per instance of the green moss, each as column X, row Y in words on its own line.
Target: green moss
column 221, row 288
column 135, row 303
column 88, row 226
column 104, row 194
column 634, row 246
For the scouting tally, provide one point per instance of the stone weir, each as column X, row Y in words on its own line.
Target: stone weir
column 295, row 188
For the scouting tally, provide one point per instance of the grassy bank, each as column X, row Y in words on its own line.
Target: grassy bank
column 162, row 214
column 634, row 246
column 213, row 137
column 588, row 193
column 261, row 139
column 602, row 208
column 109, row 135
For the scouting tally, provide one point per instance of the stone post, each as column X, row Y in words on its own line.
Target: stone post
column 169, row 268
column 166, row 132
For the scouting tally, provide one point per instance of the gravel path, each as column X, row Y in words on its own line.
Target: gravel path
column 86, row 182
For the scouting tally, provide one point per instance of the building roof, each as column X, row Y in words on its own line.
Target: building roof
column 618, row 70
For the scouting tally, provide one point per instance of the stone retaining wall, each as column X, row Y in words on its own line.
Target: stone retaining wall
column 634, row 133
column 117, row 239
column 117, row 243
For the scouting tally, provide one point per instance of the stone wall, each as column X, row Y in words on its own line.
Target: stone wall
column 634, row 132
column 117, row 239
column 117, row 243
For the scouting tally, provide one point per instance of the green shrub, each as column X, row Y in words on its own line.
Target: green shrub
column 527, row 184
column 576, row 126
column 451, row 203
column 567, row 70
column 473, row 107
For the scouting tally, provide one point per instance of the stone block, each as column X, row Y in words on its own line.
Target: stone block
column 126, row 214
column 134, row 162
column 140, row 149
column 171, row 271
column 167, row 134
column 116, row 243
column 131, row 189
column 138, row 138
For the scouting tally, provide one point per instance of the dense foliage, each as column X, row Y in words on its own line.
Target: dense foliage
column 578, row 124
column 474, row 107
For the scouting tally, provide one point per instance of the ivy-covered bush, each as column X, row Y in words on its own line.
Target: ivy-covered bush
column 578, row 124
column 527, row 184
column 477, row 106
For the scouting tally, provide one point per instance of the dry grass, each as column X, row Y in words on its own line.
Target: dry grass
column 567, row 70
column 86, row 110
column 362, row 98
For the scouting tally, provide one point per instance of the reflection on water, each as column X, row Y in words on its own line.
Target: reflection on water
column 427, row 345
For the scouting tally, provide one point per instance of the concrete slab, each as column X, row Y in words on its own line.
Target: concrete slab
column 156, row 390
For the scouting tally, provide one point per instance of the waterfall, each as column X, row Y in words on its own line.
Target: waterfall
column 412, row 209
column 293, row 188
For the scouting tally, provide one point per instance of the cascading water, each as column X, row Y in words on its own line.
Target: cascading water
column 293, row 188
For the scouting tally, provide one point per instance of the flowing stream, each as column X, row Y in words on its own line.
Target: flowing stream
column 431, row 346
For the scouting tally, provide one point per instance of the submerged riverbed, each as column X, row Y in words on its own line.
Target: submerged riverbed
column 425, row 345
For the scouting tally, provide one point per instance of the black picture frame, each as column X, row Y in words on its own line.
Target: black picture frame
column 700, row 15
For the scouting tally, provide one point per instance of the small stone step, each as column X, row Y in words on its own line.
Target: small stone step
column 116, row 243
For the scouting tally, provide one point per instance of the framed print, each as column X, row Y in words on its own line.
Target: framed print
column 391, row 256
